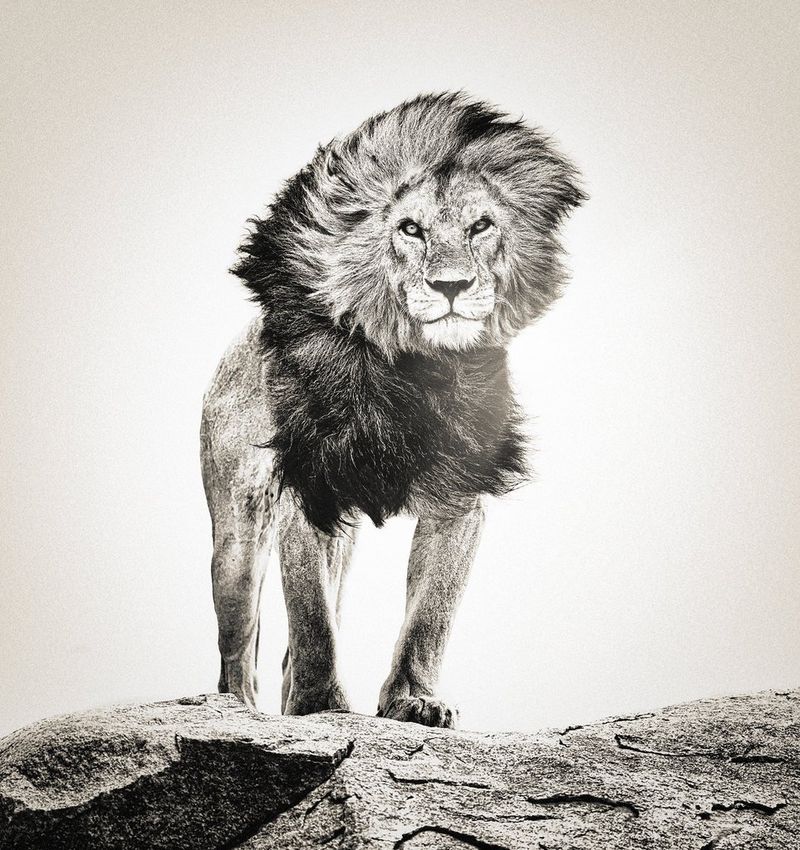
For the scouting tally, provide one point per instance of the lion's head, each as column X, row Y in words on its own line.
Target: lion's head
column 431, row 226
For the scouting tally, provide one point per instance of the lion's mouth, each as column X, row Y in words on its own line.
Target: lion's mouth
column 451, row 315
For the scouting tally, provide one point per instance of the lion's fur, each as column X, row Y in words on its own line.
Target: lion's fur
column 363, row 388
column 370, row 418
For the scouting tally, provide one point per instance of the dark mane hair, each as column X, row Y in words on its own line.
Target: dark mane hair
column 365, row 420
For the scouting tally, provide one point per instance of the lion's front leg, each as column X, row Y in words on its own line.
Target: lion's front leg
column 442, row 554
column 312, row 564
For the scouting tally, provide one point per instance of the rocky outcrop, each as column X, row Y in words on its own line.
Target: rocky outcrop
column 205, row 772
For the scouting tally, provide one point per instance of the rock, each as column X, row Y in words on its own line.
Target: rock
column 200, row 772
column 205, row 772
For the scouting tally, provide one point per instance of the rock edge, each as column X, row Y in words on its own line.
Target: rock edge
column 205, row 772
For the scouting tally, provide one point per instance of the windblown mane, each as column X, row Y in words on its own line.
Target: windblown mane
column 366, row 420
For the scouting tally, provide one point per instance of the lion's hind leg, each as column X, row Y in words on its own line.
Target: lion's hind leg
column 244, row 521
column 241, row 490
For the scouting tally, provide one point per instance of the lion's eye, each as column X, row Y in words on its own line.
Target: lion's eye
column 411, row 228
column 479, row 226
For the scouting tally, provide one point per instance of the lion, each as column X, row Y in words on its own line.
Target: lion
column 391, row 273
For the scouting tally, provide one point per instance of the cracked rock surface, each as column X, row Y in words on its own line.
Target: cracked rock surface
column 205, row 772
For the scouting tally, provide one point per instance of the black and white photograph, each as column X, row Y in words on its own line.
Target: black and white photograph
column 400, row 425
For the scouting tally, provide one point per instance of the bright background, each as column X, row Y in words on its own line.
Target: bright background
column 655, row 558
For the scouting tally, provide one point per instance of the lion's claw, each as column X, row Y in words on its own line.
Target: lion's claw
column 425, row 710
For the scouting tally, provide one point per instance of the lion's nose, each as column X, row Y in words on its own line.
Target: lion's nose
column 450, row 288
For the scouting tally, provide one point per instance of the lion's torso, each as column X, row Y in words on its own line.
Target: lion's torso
column 349, row 432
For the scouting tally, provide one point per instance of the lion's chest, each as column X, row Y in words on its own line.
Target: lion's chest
column 419, row 434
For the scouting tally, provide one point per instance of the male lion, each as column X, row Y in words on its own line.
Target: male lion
column 392, row 271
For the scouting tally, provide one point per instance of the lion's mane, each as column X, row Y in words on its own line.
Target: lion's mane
column 363, row 421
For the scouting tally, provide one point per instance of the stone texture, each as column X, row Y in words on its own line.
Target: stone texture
column 205, row 772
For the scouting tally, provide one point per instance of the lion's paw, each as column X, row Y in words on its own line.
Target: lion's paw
column 320, row 699
column 425, row 710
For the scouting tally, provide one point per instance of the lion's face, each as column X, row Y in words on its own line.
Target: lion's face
column 445, row 261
